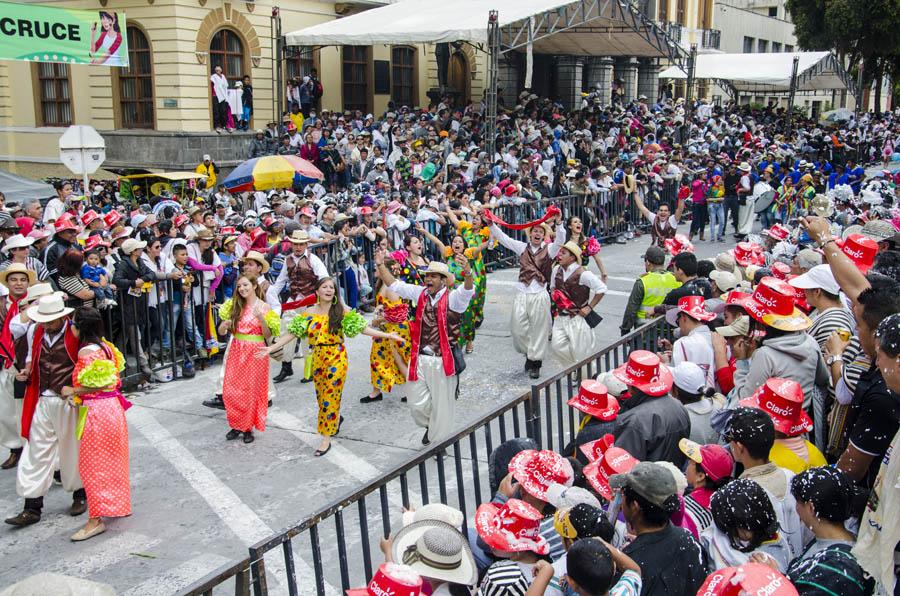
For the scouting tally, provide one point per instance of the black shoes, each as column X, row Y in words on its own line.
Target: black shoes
column 232, row 434
column 534, row 368
column 215, row 402
column 308, row 380
column 13, row 460
column 26, row 518
column 286, row 371
column 79, row 506
column 248, row 437
column 425, row 440
column 369, row 399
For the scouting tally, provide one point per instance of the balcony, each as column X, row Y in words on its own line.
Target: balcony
column 674, row 30
column 711, row 39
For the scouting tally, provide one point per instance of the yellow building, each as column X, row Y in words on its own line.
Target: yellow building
column 157, row 112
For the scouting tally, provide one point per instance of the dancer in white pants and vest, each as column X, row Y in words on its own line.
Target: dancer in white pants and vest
column 13, row 351
column 571, row 288
column 530, row 320
column 434, row 334
column 49, row 420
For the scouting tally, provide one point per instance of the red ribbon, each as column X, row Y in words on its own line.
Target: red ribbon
column 562, row 301
column 307, row 301
column 552, row 211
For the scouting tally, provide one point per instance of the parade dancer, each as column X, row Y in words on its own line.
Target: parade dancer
column 571, row 286
column 326, row 325
column 245, row 391
column 16, row 278
column 103, row 452
column 530, row 319
column 48, row 421
column 388, row 361
column 301, row 272
column 433, row 370
column 475, row 235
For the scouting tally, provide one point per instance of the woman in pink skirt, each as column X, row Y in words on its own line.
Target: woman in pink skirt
column 103, row 453
column 246, row 388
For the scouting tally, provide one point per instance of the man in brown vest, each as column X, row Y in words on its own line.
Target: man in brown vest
column 530, row 319
column 571, row 287
column 48, row 420
column 433, row 375
column 300, row 272
column 13, row 351
column 663, row 224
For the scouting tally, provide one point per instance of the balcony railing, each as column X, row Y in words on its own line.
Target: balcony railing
column 711, row 39
column 674, row 30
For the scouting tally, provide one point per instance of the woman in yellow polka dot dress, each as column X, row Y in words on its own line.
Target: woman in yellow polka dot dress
column 326, row 324
column 388, row 361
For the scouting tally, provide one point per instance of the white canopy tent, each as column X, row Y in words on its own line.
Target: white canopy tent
column 768, row 73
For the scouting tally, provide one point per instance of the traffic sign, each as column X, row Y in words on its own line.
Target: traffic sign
column 82, row 149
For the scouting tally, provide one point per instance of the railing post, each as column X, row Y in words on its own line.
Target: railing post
column 533, row 416
column 258, row 572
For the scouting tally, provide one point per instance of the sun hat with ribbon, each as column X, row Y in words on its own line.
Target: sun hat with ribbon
column 614, row 460
column 513, row 526
column 678, row 244
column 749, row 578
column 49, row 308
column 299, row 237
column 435, row 550
column 772, row 303
column 782, row 400
column 537, row 470
column 692, row 306
column 574, row 249
column 645, row 372
column 391, row 579
column 434, row 512
column 859, row 249
column 594, row 400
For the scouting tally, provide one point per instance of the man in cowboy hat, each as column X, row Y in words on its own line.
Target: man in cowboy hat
column 301, row 271
column 571, row 287
column 530, row 316
column 48, row 420
column 16, row 278
column 433, row 368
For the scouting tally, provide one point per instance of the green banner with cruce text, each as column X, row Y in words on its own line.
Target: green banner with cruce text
column 46, row 34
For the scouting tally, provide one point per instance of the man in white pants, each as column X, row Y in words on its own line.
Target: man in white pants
column 433, row 377
column 16, row 278
column 529, row 321
column 301, row 272
column 571, row 288
column 48, row 420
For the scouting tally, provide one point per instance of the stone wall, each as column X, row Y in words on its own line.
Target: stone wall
column 173, row 150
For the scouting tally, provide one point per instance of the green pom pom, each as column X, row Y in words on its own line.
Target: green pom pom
column 299, row 326
column 353, row 324
column 273, row 322
column 98, row 374
column 225, row 309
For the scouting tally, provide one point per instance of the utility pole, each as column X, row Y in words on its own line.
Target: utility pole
column 689, row 94
column 490, row 129
column 791, row 94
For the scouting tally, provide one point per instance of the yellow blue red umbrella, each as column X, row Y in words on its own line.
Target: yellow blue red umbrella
column 271, row 171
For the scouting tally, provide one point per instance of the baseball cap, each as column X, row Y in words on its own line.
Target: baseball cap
column 740, row 327
column 725, row 280
column 819, row 277
column 655, row 255
column 580, row 521
column 206, row 157
column 650, row 480
column 689, row 377
column 713, row 459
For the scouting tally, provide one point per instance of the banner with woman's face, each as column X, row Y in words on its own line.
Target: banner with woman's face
column 36, row 33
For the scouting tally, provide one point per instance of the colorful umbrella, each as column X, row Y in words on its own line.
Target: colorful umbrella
column 271, row 171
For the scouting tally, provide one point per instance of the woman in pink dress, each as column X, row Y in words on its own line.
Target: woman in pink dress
column 103, row 453
column 246, row 388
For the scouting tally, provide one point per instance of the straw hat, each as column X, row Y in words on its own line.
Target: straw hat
column 17, row 268
column 299, row 237
column 574, row 249
column 438, row 268
column 258, row 257
column 436, row 550
column 49, row 308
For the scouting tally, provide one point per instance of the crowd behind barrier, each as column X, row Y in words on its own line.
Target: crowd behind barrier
column 455, row 472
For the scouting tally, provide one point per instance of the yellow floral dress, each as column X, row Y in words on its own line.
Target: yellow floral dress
column 384, row 371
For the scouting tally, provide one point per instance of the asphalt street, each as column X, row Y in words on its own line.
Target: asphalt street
column 199, row 501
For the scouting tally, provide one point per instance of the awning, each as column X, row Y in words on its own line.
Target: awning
column 18, row 188
column 769, row 73
column 564, row 27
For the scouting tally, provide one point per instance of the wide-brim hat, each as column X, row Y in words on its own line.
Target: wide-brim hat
column 36, row 291
column 744, row 167
column 595, row 449
column 513, row 526
column 112, row 218
column 537, row 470
column 574, row 249
column 391, row 578
column 614, row 460
column 678, row 244
column 594, row 400
column 772, row 303
column 777, row 232
column 17, row 268
column 859, row 249
column 748, row 253
column 749, row 578
column 438, row 268
column 17, row 241
column 49, row 308
column 299, row 237
column 782, row 400
column 428, row 547
column 258, row 257
column 645, row 372
column 205, row 234
column 434, row 512
column 692, row 306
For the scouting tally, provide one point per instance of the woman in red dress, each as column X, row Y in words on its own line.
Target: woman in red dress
column 246, row 387
column 103, row 452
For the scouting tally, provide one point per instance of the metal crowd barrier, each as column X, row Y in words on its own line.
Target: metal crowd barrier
column 342, row 538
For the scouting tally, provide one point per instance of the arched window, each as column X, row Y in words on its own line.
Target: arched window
column 136, row 83
column 403, row 76
column 227, row 51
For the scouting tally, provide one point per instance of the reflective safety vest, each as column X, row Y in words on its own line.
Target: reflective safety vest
column 656, row 286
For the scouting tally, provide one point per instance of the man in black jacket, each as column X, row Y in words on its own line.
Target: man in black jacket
column 64, row 238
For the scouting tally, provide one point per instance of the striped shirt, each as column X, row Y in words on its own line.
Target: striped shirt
column 30, row 263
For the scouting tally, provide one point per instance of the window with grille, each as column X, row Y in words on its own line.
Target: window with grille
column 136, row 83
column 300, row 62
column 227, row 51
column 55, row 96
column 748, row 45
column 355, row 68
column 403, row 74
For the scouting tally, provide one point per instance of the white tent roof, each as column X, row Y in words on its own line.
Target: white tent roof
column 19, row 188
column 601, row 30
column 768, row 73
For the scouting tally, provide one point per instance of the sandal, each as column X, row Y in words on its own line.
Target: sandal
column 470, row 348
